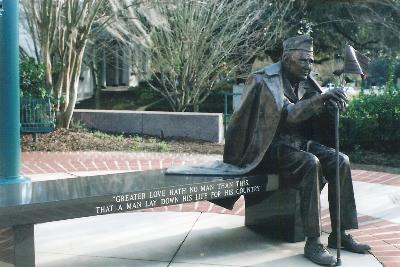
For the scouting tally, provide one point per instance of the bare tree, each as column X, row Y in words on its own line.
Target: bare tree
column 61, row 30
column 128, row 30
column 201, row 41
column 42, row 19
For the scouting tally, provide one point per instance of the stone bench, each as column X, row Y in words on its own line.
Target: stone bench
column 23, row 206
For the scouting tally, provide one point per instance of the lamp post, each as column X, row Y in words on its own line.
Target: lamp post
column 10, row 151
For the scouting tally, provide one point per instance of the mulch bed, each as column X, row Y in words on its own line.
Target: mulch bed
column 85, row 140
column 82, row 139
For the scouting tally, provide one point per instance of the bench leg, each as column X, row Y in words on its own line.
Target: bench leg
column 275, row 214
column 17, row 247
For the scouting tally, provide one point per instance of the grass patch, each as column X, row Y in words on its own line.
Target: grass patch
column 150, row 145
column 101, row 135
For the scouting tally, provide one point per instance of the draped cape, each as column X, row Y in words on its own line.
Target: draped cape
column 251, row 129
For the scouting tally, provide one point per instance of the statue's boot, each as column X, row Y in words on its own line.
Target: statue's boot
column 348, row 243
column 317, row 253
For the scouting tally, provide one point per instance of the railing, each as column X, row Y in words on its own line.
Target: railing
column 37, row 116
column 227, row 115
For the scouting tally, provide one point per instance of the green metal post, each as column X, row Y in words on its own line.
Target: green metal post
column 9, row 94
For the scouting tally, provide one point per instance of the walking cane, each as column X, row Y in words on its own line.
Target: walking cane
column 354, row 63
column 338, row 233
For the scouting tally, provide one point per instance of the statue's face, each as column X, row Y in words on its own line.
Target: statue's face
column 298, row 64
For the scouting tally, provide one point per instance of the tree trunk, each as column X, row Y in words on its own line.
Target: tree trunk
column 97, row 86
column 103, row 82
column 196, row 107
column 73, row 92
column 48, row 71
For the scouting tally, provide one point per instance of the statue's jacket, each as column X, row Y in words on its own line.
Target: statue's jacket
column 253, row 126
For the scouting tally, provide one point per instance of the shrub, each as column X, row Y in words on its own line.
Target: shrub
column 372, row 122
column 36, row 106
column 32, row 79
column 378, row 72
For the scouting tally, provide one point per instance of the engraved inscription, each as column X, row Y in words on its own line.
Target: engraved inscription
column 177, row 195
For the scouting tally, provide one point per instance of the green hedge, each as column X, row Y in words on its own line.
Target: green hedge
column 32, row 79
column 372, row 122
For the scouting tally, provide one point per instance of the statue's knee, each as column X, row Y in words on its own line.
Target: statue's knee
column 344, row 159
column 313, row 161
column 312, row 170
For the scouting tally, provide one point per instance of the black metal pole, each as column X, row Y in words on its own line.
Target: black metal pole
column 338, row 232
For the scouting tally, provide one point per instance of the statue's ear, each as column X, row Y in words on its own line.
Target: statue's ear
column 286, row 58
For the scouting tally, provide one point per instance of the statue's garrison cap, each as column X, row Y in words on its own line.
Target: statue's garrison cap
column 301, row 42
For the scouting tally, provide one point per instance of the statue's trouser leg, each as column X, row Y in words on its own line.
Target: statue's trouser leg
column 348, row 210
column 302, row 171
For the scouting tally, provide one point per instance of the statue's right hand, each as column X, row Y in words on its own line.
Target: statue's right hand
column 337, row 96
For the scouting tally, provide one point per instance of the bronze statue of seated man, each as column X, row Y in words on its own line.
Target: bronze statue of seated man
column 284, row 126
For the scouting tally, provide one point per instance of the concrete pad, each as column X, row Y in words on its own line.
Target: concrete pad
column 94, row 173
column 220, row 239
column 133, row 236
column 72, row 174
column 199, row 265
column 153, row 238
column 376, row 200
column 61, row 260
column 50, row 176
column 4, row 264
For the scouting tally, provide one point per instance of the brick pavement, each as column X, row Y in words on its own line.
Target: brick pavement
column 382, row 235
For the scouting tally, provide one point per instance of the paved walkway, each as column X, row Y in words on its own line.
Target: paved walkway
column 168, row 239
column 377, row 193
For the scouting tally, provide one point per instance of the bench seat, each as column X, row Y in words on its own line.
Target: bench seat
column 24, row 205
